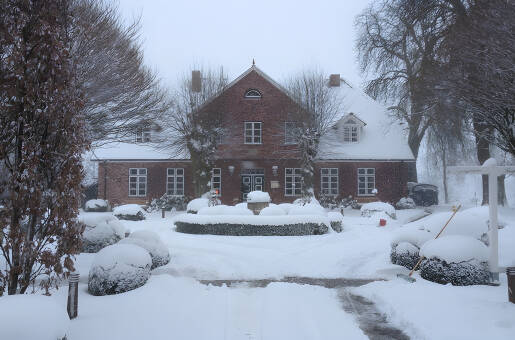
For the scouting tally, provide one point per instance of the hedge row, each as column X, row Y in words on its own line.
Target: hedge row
column 298, row 229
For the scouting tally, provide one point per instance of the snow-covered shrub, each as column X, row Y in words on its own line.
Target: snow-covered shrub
column 168, row 202
column 119, row 268
column 336, row 202
column 197, row 204
column 405, row 254
column 33, row 316
column 369, row 209
column 273, row 210
column 311, row 208
column 258, row 197
column 151, row 242
column 107, row 231
column 336, row 220
column 96, row 205
column 456, row 259
column 405, row 203
column 131, row 212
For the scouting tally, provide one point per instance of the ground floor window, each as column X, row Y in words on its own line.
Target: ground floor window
column 292, row 182
column 366, row 181
column 329, row 181
column 216, row 181
column 137, row 182
column 175, row 181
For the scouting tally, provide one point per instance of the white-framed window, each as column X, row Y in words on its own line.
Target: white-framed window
column 291, row 132
column 329, row 181
column 175, row 181
column 292, row 182
column 366, row 181
column 137, row 182
column 350, row 133
column 216, row 181
column 143, row 135
column 253, row 93
column 253, row 132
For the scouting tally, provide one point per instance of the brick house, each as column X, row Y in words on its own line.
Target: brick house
column 363, row 155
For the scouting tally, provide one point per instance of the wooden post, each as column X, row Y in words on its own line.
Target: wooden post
column 73, row 295
column 162, row 213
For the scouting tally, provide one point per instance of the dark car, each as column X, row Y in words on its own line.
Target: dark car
column 423, row 194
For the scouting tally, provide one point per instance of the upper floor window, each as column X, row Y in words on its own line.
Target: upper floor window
column 350, row 133
column 142, row 135
column 291, row 132
column 175, row 181
column 366, row 181
column 137, row 182
column 252, row 93
column 253, row 132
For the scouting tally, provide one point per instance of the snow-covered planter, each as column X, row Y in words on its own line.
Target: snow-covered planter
column 151, row 242
column 252, row 225
column 96, row 205
column 405, row 254
column 405, row 203
column 369, row 209
column 131, row 212
column 32, row 316
column 456, row 259
column 258, row 197
column 119, row 268
column 105, row 232
column 336, row 220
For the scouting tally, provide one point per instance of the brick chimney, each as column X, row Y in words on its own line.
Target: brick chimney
column 196, row 81
column 334, row 80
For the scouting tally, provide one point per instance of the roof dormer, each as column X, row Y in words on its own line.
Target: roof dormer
column 351, row 127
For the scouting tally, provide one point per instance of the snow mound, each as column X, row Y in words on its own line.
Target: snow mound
column 455, row 248
column 416, row 237
column 241, row 205
column 119, row 268
column 224, row 210
column 197, row 204
column 96, row 205
column 308, row 209
column 286, row 207
column 258, row 197
column 369, row 209
column 151, row 242
column 92, row 219
column 273, row 210
column 406, row 203
column 32, row 316
column 132, row 212
column 102, row 235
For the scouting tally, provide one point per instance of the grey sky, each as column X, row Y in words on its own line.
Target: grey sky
column 283, row 36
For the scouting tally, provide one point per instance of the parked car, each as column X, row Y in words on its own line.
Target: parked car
column 423, row 194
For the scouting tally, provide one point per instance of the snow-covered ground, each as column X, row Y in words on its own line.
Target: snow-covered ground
column 173, row 304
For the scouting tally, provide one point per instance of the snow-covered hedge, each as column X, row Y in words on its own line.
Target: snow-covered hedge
column 272, row 210
column 368, row 209
column 252, row 225
column 456, row 259
column 405, row 254
column 32, row 316
column 336, row 220
column 101, row 231
column 224, row 210
column 151, row 242
column 405, row 203
column 119, row 268
column 96, row 205
column 131, row 212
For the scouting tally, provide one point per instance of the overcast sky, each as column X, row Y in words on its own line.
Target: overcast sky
column 283, row 36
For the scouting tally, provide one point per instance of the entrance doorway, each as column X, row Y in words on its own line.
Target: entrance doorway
column 251, row 180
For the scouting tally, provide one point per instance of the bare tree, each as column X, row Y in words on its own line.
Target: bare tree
column 192, row 128
column 316, row 111
column 120, row 92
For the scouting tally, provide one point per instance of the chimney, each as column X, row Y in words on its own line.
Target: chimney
column 196, row 81
column 334, row 80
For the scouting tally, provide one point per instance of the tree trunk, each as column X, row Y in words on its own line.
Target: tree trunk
column 483, row 152
column 444, row 167
column 501, row 190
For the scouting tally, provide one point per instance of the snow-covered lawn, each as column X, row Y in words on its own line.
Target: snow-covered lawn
column 173, row 304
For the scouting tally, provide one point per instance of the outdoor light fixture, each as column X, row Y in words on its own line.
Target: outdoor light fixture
column 231, row 169
column 274, row 169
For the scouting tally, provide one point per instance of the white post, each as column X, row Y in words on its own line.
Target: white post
column 493, row 260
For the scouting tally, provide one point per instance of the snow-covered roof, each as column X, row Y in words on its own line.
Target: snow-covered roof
column 136, row 151
column 380, row 139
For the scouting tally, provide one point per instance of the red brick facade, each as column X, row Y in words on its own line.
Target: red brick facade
column 272, row 156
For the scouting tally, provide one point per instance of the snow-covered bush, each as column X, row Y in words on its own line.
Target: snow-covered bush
column 96, row 205
column 273, row 210
column 311, row 208
column 336, row 220
column 168, row 202
column 32, row 316
column 405, row 254
column 258, row 197
column 151, row 242
column 196, row 204
column 101, row 231
column 224, row 210
column 119, row 268
column 456, row 259
column 335, row 202
column 286, row 207
column 405, row 203
column 131, row 212
column 369, row 209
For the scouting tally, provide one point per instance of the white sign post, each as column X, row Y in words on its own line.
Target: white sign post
column 493, row 171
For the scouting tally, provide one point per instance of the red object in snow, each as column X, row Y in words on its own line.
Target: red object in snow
column 382, row 222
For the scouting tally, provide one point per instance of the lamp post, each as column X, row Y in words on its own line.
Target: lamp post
column 493, row 171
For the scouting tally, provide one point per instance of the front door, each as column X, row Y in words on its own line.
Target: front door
column 251, row 180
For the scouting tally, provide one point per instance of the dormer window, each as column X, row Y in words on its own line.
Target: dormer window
column 142, row 135
column 253, row 93
column 351, row 127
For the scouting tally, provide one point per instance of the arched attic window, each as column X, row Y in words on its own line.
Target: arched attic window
column 252, row 93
